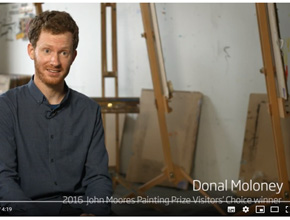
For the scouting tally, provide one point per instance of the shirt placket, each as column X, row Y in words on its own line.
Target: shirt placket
column 52, row 136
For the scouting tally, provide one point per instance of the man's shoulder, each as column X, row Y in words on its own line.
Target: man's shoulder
column 11, row 94
column 9, row 101
column 83, row 99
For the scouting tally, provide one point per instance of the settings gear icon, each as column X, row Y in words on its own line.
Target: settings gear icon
column 246, row 209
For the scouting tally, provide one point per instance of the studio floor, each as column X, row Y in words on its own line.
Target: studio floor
column 165, row 205
column 181, row 209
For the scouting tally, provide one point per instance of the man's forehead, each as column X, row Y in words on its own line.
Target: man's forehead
column 64, row 38
column 51, row 32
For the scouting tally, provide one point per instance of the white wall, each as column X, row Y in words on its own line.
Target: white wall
column 211, row 48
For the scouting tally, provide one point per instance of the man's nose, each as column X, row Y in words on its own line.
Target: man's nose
column 54, row 59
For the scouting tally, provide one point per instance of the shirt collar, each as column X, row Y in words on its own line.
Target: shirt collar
column 39, row 97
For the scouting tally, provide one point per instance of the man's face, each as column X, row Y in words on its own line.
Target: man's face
column 53, row 56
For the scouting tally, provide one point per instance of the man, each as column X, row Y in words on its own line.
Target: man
column 51, row 137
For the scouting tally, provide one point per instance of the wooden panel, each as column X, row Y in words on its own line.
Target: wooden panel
column 110, row 134
column 9, row 81
column 4, row 83
column 147, row 160
column 258, row 158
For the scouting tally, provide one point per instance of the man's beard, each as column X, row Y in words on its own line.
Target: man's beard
column 49, row 81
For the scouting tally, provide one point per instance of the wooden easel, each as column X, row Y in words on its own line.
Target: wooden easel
column 275, row 105
column 269, row 72
column 115, row 104
column 162, row 93
column 114, row 72
column 38, row 8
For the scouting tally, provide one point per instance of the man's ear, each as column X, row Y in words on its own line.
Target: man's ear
column 74, row 55
column 30, row 50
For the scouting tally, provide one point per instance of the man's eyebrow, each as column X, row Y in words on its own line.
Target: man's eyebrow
column 50, row 45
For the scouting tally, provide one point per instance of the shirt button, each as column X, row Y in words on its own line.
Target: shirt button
column 55, row 183
column 51, row 160
column 51, row 136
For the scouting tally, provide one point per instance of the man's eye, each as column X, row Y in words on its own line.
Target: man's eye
column 64, row 53
column 46, row 50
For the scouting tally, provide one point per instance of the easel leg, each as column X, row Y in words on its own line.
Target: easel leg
column 180, row 175
column 190, row 180
column 159, row 179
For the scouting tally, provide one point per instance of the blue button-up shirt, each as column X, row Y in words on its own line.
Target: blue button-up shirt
column 49, row 154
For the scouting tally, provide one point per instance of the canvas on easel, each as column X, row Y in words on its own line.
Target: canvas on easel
column 276, row 19
column 277, row 52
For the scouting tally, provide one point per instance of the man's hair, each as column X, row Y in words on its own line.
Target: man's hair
column 56, row 22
